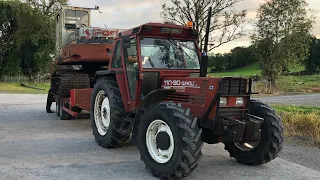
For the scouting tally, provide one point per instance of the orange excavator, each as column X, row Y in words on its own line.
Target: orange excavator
column 81, row 50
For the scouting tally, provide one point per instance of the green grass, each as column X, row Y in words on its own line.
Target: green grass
column 15, row 88
column 287, row 84
column 296, row 69
column 244, row 72
column 301, row 121
column 297, row 109
column 298, row 84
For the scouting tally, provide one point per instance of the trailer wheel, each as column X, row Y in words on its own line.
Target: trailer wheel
column 63, row 114
column 58, row 106
column 270, row 143
column 110, row 128
column 169, row 140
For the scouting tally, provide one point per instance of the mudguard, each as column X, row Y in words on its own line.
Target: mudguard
column 153, row 97
column 106, row 73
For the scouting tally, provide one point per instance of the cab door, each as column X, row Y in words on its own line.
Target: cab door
column 131, row 70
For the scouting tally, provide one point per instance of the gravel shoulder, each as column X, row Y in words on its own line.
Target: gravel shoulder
column 298, row 100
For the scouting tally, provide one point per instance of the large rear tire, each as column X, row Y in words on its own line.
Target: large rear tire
column 270, row 143
column 107, row 115
column 169, row 140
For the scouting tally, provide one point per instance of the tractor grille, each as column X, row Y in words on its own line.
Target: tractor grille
column 190, row 98
column 193, row 99
column 231, row 112
column 233, row 86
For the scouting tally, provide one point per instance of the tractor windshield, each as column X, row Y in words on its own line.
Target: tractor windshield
column 167, row 53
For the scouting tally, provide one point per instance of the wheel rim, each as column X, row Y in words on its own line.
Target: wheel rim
column 247, row 146
column 158, row 154
column 102, row 113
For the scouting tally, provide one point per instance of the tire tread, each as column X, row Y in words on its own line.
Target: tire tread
column 272, row 144
column 118, row 136
column 190, row 136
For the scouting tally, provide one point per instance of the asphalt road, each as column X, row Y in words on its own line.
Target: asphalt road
column 298, row 100
column 36, row 145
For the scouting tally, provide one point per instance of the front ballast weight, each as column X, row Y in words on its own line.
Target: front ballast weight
column 246, row 129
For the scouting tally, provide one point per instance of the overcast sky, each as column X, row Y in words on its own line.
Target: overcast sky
column 125, row 14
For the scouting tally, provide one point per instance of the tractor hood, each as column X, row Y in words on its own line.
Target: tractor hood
column 198, row 93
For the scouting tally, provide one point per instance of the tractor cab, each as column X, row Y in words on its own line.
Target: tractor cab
column 153, row 51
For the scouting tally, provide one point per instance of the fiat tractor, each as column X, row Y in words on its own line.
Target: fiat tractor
column 148, row 86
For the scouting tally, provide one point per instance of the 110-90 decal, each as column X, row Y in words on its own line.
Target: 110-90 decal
column 180, row 83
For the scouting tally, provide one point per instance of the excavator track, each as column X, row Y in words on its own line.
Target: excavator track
column 71, row 79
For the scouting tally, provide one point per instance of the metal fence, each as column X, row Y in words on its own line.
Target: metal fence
column 22, row 79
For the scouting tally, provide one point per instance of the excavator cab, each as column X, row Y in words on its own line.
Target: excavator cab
column 68, row 20
column 77, row 42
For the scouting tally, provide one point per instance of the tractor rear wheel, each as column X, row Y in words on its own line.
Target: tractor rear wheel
column 270, row 143
column 108, row 122
column 169, row 140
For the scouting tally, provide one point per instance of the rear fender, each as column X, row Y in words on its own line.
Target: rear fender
column 101, row 73
column 153, row 97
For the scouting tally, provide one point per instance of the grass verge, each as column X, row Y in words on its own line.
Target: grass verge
column 247, row 71
column 285, row 85
column 301, row 121
column 16, row 88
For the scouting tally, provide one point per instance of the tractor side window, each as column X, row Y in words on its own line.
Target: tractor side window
column 116, row 60
column 131, row 61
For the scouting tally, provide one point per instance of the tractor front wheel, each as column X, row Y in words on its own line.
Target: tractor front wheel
column 169, row 140
column 270, row 143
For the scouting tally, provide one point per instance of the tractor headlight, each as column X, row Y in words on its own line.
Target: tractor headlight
column 223, row 101
column 239, row 101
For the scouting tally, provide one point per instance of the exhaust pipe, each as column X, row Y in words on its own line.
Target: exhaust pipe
column 204, row 57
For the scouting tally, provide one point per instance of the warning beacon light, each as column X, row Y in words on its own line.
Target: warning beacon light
column 190, row 24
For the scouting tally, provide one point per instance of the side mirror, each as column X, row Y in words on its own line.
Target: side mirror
column 126, row 42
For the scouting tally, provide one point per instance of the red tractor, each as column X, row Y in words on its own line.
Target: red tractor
column 155, row 91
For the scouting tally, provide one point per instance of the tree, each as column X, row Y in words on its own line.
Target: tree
column 238, row 57
column 27, row 35
column 241, row 56
column 312, row 63
column 226, row 25
column 8, row 26
column 218, row 62
column 47, row 7
column 282, row 36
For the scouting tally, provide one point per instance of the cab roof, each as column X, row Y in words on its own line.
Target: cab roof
column 152, row 28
